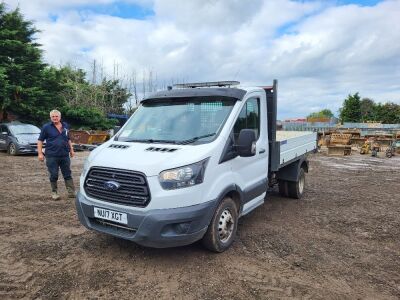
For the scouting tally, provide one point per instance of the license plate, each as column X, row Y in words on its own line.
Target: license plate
column 110, row 215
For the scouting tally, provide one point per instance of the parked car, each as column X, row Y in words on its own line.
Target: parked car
column 18, row 138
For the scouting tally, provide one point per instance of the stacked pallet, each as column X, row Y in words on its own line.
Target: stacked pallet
column 340, row 138
column 340, row 144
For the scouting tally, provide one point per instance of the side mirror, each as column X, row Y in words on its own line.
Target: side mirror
column 246, row 144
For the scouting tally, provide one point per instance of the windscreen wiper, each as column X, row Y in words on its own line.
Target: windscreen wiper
column 194, row 139
column 150, row 141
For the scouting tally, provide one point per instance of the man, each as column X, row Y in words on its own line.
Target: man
column 58, row 151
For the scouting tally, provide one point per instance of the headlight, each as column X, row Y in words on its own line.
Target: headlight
column 184, row 176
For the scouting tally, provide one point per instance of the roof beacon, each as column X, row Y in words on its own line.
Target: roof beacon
column 206, row 84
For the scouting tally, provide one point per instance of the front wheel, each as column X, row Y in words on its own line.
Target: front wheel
column 296, row 189
column 222, row 229
column 12, row 149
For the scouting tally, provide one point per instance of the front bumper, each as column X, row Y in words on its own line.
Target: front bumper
column 158, row 228
column 27, row 149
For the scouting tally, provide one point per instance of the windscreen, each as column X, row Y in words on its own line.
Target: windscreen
column 178, row 121
column 24, row 129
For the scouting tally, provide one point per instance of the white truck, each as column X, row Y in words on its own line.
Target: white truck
column 189, row 163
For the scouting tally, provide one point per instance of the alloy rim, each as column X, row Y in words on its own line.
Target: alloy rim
column 12, row 149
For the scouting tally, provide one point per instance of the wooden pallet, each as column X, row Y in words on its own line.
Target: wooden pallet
column 339, row 150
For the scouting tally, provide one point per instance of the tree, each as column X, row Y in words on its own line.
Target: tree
column 114, row 96
column 30, row 89
column 325, row 113
column 87, row 118
column 356, row 110
column 20, row 66
column 388, row 113
column 107, row 97
column 351, row 110
column 367, row 107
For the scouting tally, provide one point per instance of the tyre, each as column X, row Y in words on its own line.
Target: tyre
column 283, row 188
column 389, row 154
column 223, row 226
column 296, row 188
column 12, row 149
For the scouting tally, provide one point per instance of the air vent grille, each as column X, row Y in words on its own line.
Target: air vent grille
column 156, row 149
column 117, row 146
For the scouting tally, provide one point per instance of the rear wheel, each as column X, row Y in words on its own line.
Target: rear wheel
column 222, row 229
column 296, row 188
column 12, row 149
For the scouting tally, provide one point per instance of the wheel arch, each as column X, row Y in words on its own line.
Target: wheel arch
column 291, row 172
column 304, row 165
column 235, row 193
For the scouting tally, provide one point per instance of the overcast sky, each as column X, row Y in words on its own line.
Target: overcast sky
column 320, row 51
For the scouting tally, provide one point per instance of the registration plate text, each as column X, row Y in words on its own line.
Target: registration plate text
column 110, row 215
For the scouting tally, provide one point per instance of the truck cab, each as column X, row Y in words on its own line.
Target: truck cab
column 188, row 164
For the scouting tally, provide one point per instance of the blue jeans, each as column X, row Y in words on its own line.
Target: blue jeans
column 53, row 163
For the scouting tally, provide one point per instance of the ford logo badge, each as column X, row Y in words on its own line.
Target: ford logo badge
column 111, row 185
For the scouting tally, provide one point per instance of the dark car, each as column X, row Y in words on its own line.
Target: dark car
column 19, row 138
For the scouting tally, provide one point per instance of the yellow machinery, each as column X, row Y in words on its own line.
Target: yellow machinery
column 365, row 148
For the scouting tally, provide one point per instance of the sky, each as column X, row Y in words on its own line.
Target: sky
column 320, row 51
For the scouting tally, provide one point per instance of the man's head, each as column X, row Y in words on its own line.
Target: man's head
column 55, row 116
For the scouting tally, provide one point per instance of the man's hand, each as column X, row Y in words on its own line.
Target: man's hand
column 40, row 150
column 71, row 149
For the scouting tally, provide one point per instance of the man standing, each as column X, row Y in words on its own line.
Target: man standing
column 58, row 151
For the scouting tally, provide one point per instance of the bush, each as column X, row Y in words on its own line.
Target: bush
column 86, row 118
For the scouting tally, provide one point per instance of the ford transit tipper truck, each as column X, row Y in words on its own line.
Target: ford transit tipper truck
column 189, row 163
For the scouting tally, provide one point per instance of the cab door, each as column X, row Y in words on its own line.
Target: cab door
column 251, row 173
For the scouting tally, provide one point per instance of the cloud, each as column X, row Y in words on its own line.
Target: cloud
column 319, row 50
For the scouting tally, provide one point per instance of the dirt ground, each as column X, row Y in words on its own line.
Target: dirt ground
column 341, row 241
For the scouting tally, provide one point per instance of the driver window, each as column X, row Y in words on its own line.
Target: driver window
column 249, row 118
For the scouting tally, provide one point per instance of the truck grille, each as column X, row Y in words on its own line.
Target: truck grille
column 132, row 189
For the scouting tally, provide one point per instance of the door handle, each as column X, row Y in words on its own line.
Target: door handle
column 261, row 151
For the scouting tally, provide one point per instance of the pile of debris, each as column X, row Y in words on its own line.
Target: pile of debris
column 343, row 142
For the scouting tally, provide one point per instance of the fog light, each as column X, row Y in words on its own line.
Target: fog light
column 181, row 228
column 176, row 229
